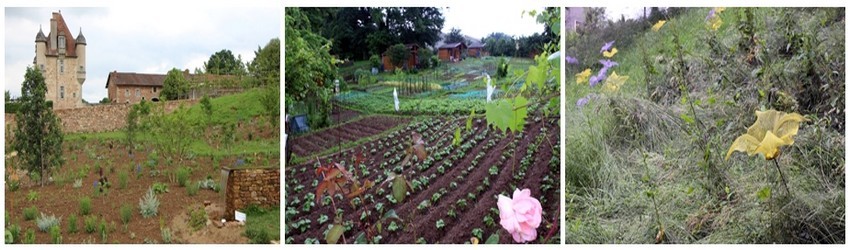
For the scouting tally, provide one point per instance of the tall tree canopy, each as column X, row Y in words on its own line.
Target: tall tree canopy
column 38, row 137
column 358, row 33
column 455, row 36
column 175, row 86
column 224, row 63
column 310, row 81
column 499, row 44
column 266, row 64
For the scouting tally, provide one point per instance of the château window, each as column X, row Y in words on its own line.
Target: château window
column 61, row 66
column 138, row 92
column 61, row 42
column 61, row 92
column 127, row 92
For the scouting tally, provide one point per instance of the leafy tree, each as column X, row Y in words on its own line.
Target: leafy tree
column 224, row 63
column 499, row 44
column 206, row 106
column 105, row 100
column 425, row 58
column 8, row 96
column 455, row 36
column 398, row 55
column 134, row 122
column 175, row 86
column 38, row 137
column 310, row 81
column 266, row 64
column 270, row 100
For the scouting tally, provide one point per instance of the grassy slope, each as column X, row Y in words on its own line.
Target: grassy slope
column 622, row 146
column 240, row 107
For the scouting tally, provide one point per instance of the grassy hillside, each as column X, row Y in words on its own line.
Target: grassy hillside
column 254, row 134
column 646, row 163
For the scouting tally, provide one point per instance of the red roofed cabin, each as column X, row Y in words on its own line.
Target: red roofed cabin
column 477, row 50
column 412, row 60
column 451, row 51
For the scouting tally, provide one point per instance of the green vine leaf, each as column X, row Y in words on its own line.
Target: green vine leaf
column 507, row 114
column 334, row 234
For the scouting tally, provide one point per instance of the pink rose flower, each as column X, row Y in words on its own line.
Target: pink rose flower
column 521, row 215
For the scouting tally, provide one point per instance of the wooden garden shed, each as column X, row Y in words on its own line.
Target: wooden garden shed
column 451, row 51
column 412, row 60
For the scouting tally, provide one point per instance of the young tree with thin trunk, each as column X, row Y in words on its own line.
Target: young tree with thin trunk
column 38, row 137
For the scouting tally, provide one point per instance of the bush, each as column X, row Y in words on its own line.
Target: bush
column 159, row 188
column 90, row 224
column 183, row 176
column 192, row 190
column 56, row 234
column 210, row 184
column 15, row 232
column 197, row 217
column 85, row 205
column 104, row 231
column 149, row 204
column 45, row 222
column 166, row 235
column 257, row 236
column 30, row 213
column 126, row 213
column 72, row 224
column 122, row 179
column 30, row 237
column 9, row 238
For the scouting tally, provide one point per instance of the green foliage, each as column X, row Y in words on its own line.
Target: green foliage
column 29, row 238
column 270, row 99
column 257, row 236
column 38, row 135
column 56, row 234
column 506, row 114
column 32, row 196
column 197, row 217
column 175, row 86
column 149, row 204
column 171, row 131
column 15, row 232
column 502, row 69
column 375, row 61
column 166, row 235
column 224, row 63
column 455, row 36
column 85, row 205
column 398, row 55
column 9, row 238
column 103, row 229
column 192, row 189
column 90, row 224
column 105, row 100
column 182, row 174
column 206, row 106
column 30, row 213
column 72, row 223
column 123, row 177
column 266, row 64
column 126, row 213
column 310, row 82
column 262, row 221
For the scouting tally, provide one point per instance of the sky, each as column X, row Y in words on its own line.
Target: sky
column 479, row 21
column 131, row 39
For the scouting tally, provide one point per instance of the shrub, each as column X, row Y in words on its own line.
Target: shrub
column 30, row 213
column 30, row 237
column 166, row 235
column 45, row 222
column 192, row 190
column 9, row 238
column 72, row 224
column 149, row 204
column 183, row 176
column 197, row 217
column 126, row 213
column 159, row 188
column 78, row 183
column 85, row 205
column 122, row 179
column 56, row 234
column 32, row 196
column 12, row 185
column 104, row 231
column 15, row 232
column 257, row 235
column 90, row 224
column 210, row 184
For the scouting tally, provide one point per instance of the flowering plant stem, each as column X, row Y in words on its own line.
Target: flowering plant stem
column 784, row 183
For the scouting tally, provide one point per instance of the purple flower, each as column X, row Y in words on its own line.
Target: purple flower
column 608, row 63
column 95, row 184
column 710, row 14
column 240, row 162
column 594, row 80
column 571, row 60
column 606, row 46
column 138, row 168
column 582, row 101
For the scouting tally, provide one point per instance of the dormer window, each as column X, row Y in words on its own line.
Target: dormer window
column 61, row 42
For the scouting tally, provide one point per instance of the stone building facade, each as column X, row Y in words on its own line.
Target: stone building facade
column 62, row 60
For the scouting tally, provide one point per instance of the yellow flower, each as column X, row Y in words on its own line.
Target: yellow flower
column 718, row 10
column 582, row 77
column 658, row 25
column 715, row 23
column 771, row 130
column 609, row 54
column 614, row 82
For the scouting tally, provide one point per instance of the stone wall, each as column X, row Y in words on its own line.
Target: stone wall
column 251, row 186
column 97, row 118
